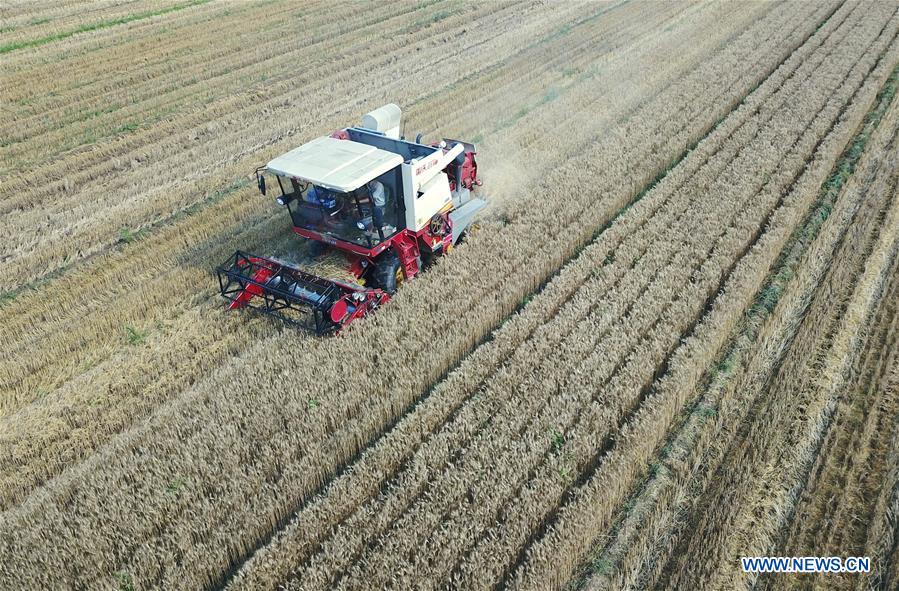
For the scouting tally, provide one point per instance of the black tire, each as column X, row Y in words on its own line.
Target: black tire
column 383, row 275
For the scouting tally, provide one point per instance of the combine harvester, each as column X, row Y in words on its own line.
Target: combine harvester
column 387, row 204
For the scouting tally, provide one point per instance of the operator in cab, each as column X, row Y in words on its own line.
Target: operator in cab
column 322, row 197
column 379, row 203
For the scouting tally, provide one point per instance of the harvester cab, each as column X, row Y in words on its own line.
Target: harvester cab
column 389, row 205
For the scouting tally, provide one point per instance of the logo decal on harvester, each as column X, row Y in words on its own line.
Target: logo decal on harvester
column 425, row 167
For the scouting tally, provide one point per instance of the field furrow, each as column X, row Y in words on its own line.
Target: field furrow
column 774, row 505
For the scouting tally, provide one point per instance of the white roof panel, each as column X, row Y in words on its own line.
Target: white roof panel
column 341, row 165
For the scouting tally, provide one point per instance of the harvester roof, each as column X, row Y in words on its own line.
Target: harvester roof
column 341, row 165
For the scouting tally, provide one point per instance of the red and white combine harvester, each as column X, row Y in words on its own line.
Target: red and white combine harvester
column 388, row 204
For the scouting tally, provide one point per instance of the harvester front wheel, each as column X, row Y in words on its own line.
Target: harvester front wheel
column 387, row 272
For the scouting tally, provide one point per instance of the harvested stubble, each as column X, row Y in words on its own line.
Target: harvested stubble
column 263, row 427
column 236, row 201
column 42, row 452
column 21, row 327
column 646, row 537
column 37, row 342
column 25, row 319
column 179, row 72
column 184, row 71
column 31, row 24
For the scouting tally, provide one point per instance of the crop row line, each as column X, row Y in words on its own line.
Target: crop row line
column 764, row 357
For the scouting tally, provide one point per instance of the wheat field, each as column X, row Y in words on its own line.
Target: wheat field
column 671, row 341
